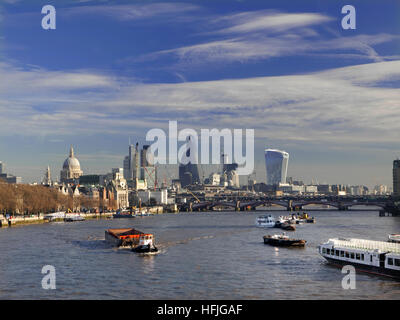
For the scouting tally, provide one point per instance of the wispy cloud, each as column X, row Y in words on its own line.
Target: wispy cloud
column 343, row 106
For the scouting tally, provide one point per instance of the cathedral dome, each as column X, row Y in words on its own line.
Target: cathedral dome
column 71, row 168
column 72, row 164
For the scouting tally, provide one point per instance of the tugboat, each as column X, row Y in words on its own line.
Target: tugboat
column 287, row 226
column 265, row 221
column 146, row 244
column 282, row 240
column 374, row 257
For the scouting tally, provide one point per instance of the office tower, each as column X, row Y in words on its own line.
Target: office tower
column 131, row 163
column 276, row 162
column 189, row 173
column 146, row 157
column 1, row 167
column 396, row 178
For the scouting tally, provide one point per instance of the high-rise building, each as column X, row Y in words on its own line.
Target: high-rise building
column 396, row 178
column 146, row 157
column 189, row 173
column 1, row 167
column 131, row 163
column 276, row 162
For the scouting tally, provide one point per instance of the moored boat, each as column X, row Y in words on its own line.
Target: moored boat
column 70, row 217
column 287, row 226
column 267, row 221
column 375, row 257
column 394, row 238
column 283, row 240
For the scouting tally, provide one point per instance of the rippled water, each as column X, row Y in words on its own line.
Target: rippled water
column 214, row 255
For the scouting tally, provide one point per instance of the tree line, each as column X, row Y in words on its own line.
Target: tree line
column 34, row 199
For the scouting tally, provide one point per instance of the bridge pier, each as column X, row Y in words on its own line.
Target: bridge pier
column 237, row 208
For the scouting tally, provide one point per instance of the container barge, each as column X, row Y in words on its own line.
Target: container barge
column 131, row 238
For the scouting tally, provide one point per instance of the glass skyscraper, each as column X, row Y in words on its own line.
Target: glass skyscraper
column 276, row 162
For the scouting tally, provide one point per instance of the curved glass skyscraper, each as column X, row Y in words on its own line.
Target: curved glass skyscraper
column 276, row 163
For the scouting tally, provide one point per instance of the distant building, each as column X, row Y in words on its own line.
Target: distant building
column 131, row 163
column 396, row 178
column 90, row 180
column 71, row 170
column 159, row 196
column 276, row 163
column 9, row 178
column 47, row 177
column 1, row 167
column 189, row 173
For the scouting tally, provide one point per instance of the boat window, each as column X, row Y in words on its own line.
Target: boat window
column 337, row 253
column 352, row 255
column 362, row 256
column 347, row 255
column 328, row 251
column 357, row 256
column 342, row 253
column 390, row 261
column 371, row 258
column 397, row 262
column 323, row 250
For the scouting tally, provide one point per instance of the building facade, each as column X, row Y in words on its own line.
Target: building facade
column 276, row 163
column 396, row 178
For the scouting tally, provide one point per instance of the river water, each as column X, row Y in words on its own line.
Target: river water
column 205, row 255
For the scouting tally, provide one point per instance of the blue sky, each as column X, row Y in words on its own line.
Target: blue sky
column 113, row 69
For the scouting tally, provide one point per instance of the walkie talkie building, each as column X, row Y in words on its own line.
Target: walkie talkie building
column 276, row 163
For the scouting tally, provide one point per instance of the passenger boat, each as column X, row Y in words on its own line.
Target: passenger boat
column 375, row 257
column 394, row 238
column 280, row 221
column 55, row 215
column 131, row 238
column 283, row 240
column 267, row 221
column 70, row 217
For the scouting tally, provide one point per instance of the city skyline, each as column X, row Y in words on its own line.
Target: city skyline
column 326, row 95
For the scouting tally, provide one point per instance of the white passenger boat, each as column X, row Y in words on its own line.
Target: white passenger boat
column 394, row 238
column 375, row 257
column 267, row 221
column 55, row 215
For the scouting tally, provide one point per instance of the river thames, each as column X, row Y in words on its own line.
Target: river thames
column 205, row 255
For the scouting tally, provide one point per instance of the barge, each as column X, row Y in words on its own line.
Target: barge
column 374, row 257
column 131, row 238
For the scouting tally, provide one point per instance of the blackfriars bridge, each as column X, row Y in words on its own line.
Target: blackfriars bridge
column 287, row 204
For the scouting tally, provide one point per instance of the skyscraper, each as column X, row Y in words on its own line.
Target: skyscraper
column 276, row 162
column 1, row 167
column 396, row 178
column 131, row 163
column 189, row 173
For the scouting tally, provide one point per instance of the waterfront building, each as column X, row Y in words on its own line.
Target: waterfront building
column 276, row 162
column 118, row 187
column 159, row 196
column 71, row 170
column 396, row 178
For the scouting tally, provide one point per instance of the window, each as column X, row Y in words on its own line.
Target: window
column 390, row 261
column 328, row 251
column 357, row 256
column 352, row 255
column 342, row 253
column 347, row 255
column 371, row 258
column 397, row 262
column 337, row 253
column 323, row 250
column 362, row 256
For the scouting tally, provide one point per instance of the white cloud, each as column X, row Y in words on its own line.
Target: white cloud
column 339, row 106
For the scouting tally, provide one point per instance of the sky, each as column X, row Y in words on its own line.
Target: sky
column 113, row 70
